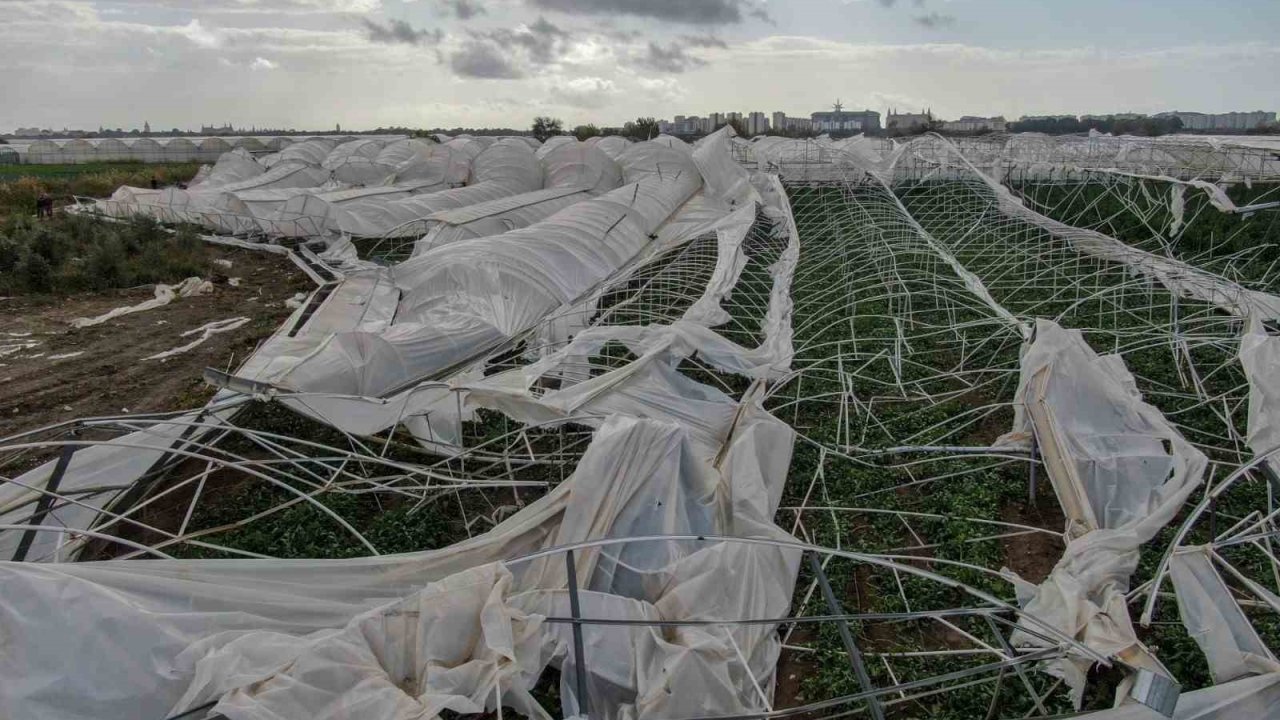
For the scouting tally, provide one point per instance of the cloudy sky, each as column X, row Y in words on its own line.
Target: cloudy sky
column 426, row 63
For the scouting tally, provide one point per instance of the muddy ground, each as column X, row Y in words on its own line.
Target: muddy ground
column 40, row 385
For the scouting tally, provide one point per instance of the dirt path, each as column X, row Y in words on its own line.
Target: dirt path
column 59, row 372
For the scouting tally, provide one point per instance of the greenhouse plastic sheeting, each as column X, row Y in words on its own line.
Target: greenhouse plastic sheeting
column 1248, row 699
column 313, row 638
column 612, row 145
column 1213, row 618
column 507, row 167
column 578, row 165
column 1104, row 449
column 232, row 167
column 463, row 299
column 1260, row 358
column 316, row 213
column 496, row 216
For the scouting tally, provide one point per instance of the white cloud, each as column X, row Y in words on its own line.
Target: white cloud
column 261, row 63
column 198, row 34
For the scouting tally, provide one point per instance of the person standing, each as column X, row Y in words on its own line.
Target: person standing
column 44, row 205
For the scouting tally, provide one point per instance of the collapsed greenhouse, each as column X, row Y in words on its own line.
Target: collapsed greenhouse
column 984, row 428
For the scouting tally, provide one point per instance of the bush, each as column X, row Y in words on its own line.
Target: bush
column 36, row 273
column 73, row 253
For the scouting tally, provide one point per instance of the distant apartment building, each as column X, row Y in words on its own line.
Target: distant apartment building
column 841, row 120
column 1221, row 121
column 757, row 123
column 683, row 125
column 971, row 124
column 783, row 123
column 907, row 122
column 1032, row 118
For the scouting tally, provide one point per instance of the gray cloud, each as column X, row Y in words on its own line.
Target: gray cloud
column 934, row 20
column 399, row 31
column 464, row 9
column 670, row 58
column 505, row 53
column 706, row 40
column 694, row 12
column 480, row 58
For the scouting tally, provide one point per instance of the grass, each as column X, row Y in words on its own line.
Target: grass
column 71, row 254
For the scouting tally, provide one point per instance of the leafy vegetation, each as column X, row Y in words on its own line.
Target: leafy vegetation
column 70, row 254
column 20, row 185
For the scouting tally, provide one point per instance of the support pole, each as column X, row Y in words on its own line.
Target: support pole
column 579, row 656
column 855, row 656
column 45, row 503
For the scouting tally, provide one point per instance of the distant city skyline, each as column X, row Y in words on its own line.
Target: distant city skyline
column 365, row 63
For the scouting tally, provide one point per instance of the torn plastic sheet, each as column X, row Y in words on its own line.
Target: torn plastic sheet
column 462, row 299
column 1251, row 698
column 1121, row 473
column 206, row 331
column 164, row 294
column 307, row 638
column 1260, row 358
column 1213, row 618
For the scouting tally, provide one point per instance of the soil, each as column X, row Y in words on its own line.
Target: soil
column 1032, row 556
column 111, row 375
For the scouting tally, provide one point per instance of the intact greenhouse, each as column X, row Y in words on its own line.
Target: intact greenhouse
column 981, row 428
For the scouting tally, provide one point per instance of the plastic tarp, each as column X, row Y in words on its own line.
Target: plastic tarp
column 466, row 298
column 612, row 145
column 1260, row 358
column 408, row 635
column 231, row 167
column 1121, row 473
column 574, row 164
column 1213, row 618
column 505, row 168
column 496, row 216
column 1253, row 698
column 163, row 295
column 316, row 213
column 311, row 152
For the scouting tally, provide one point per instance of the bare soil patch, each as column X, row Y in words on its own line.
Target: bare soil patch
column 48, row 383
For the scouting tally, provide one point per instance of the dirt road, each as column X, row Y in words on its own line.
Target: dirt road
column 51, row 371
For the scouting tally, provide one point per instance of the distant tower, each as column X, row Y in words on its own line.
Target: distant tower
column 146, row 126
column 837, row 107
column 338, row 127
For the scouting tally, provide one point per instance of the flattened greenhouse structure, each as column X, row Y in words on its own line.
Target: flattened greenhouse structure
column 975, row 428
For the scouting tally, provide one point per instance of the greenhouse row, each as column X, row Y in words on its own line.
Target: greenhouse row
column 150, row 150
column 668, row 431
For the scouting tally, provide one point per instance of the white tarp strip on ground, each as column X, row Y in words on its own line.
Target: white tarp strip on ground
column 1121, row 473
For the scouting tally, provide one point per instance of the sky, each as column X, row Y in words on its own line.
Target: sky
column 313, row 64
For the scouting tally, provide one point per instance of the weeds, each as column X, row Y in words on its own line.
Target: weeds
column 74, row 254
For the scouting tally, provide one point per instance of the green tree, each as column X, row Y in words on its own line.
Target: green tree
column 642, row 128
column 546, row 127
column 582, row 132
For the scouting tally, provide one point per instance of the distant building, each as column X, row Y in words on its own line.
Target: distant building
column 841, row 120
column 212, row 130
column 757, row 123
column 971, row 124
column 1221, row 121
column 146, row 127
column 908, row 122
column 1031, row 118
column 783, row 123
